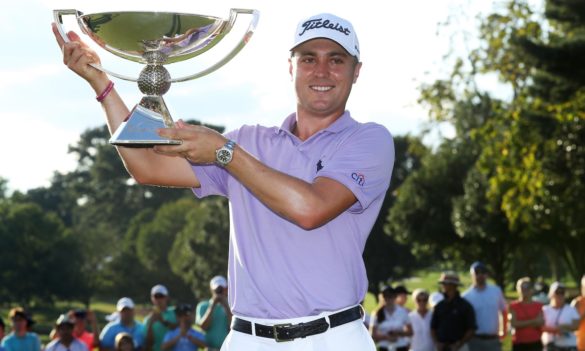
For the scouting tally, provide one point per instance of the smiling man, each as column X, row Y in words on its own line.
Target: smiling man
column 303, row 196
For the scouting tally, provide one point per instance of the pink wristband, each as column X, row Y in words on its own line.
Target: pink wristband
column 105, row 93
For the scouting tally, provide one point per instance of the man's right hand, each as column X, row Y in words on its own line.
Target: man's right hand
column 78, row 56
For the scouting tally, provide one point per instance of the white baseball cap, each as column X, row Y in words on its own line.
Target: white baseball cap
column 159, row 289
column 123, row 303
column 218, row 281
column 326, row 25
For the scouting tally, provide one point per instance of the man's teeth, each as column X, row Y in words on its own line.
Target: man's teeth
column 321, row 88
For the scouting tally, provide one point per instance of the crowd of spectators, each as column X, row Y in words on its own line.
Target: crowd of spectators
column 476, row 319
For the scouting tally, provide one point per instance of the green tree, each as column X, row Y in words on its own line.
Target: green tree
column 384, row 257
column 200, row 249
column 38, row 256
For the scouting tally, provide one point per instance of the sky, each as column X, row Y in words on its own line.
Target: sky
column 45, row 107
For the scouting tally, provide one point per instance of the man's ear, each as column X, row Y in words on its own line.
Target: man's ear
column 356, row 72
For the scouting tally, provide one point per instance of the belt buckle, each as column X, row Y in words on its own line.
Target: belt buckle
column 276, row 333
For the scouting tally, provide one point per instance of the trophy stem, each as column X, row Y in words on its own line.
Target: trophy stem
column 157, row 104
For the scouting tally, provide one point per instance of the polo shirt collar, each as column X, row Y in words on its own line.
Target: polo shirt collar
column 339, row 125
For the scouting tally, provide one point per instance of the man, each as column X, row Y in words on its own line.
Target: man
column 579, row 304
column 489, row 305
column 303, row 197
column 214, row 315
column 183, row 337
column 81, row 319
column 453, row 320
column 160, row 320
column 124, row 324
column 20, row 339
column 65, row 340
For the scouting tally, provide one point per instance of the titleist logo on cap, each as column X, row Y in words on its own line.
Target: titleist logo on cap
column 319, row 23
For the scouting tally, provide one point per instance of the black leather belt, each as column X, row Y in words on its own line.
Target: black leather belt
column 289, row 332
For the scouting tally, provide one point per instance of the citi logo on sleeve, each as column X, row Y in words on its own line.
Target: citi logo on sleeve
column 359, row 178
column 319, row 23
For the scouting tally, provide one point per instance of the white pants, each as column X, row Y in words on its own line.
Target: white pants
column 352, row 336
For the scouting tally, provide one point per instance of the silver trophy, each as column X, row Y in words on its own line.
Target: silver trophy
column 155, row 39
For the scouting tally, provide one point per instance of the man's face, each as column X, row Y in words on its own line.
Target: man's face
column 65, row 331
column 479, row 277
column 323, row 74
column 160, row 301
column 19, row 323
column 127, row 315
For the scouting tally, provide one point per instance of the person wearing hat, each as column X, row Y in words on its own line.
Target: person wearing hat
column 124, row 324
column 65, row 340
column 560, row 321
column 579, row 304
column 453, row 319
column 490, row 307
column 214, row 315
column 303, row 196
column 183, row 337
column 160, row 320
column 20, row 339
column 389, row 324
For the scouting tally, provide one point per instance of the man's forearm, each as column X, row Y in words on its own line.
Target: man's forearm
column 308, row 205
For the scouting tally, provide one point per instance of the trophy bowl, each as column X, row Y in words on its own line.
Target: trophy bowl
column 155, row 39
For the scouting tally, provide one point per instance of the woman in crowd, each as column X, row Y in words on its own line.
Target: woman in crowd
column 420, row 322
column 390, row 326
column 526, row 318
column 560, row 321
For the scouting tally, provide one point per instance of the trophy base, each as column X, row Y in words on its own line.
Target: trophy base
column 139, row 130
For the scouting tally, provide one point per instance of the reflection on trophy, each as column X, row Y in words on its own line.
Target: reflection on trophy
column 156, row 39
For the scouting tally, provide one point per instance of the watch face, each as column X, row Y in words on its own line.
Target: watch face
column 224, row 156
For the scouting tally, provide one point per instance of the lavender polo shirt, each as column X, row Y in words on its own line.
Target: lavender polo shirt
column 278, row 270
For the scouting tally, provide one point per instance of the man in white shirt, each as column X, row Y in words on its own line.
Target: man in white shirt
column 489, row 305
column 65, row 340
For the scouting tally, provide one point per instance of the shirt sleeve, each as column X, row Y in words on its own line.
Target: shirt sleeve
column 363, row 162
column 107, row 337
column 201, row 308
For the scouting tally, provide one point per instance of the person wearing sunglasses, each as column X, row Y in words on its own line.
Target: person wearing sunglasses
column 560, row 321
column 420, row 322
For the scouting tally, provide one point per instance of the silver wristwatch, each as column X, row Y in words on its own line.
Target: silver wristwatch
column 224, row 154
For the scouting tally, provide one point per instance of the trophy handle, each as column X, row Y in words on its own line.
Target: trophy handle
column 233, row 16
column 58, row 17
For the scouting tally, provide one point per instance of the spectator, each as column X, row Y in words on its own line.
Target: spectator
column 20, row 339
column 160, row 320
column 124, row 342
column 124, row 324
column 420, row 321
column 489, row 305
column 65, row 341
column 401, row 296
column 81, row 319
column 183, row 337
column 2, row 328
column 560, row 321
column 579, row 304
column 453, row 319
column 214, row 315
column 389, row 324
column 526, row 319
